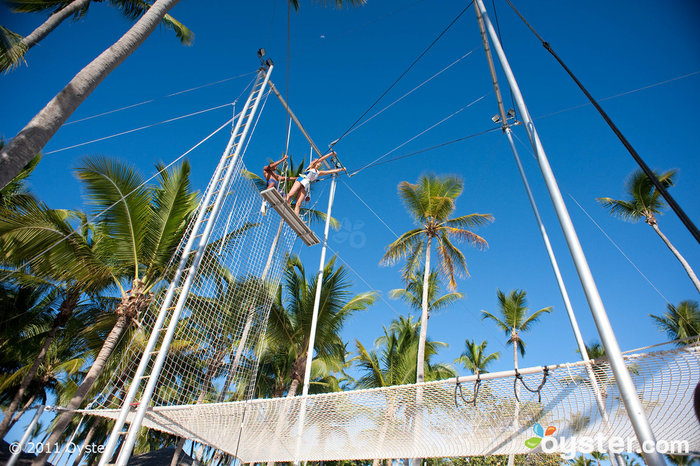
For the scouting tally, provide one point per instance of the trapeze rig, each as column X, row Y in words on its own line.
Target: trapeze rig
column 203, row 232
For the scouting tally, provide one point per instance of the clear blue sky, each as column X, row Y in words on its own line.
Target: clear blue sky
column 341, row 61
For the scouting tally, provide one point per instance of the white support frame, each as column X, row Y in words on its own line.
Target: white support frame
column 218, row 187
column 638, row 418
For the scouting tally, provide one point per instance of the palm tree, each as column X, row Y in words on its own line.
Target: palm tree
column 431, row 202
column 393, row 362
column 474, row 357
column 513, row 319
column 680, row 322
column 598, row 457
column 46, row 237
column 645, row 202
column 134, row 241
column 11, row 56
column 580, row 460
column 513, row 310
column 682, row 460
column 290, row 323
column 413, row 293
column 32, row 138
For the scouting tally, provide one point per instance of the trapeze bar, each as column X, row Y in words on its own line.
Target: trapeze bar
column 275, row 199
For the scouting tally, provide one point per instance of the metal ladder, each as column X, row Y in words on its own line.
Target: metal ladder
column 178, row 289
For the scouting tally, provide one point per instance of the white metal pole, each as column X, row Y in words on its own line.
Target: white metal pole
column 136, row 422
column 319, row 286
column 638, row 418
column 25, row 437
column 111, row 445
column 314, row 318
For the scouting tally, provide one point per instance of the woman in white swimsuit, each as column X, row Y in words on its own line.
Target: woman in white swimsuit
column 302, row 186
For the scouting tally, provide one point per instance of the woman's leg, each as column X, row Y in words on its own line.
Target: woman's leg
column 295, row 188
column 300, row 200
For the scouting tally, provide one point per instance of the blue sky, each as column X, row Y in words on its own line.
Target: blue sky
column 341, row 61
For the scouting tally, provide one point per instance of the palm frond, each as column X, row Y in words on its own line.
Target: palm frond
column 12, row 50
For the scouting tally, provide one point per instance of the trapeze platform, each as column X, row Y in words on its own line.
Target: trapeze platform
column 275, row 199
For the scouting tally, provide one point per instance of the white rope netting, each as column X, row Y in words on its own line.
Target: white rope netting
column 215, row 350
column 389, row 423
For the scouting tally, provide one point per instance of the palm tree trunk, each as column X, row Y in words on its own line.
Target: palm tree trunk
column 516, row 411
column 420, row 363
column 33, row 137
column 122, row 324
column 678, row 255
column 52, row 22
column 65, row 311
column 178, row 451
column 21, row 412
column 86, row 442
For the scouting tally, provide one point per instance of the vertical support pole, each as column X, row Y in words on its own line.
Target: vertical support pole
column 252, row 103
column 638, row 418
column 111, row 445
column 25, row 437
column 319, row 286
column 314, row 318
column 545, row 238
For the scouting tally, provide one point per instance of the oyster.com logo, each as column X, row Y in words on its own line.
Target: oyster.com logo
column 533, row 442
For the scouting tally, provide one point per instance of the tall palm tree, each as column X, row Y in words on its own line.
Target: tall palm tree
column 32, row 138
column 289, row 324
column 680, row 322
column 431, row 202
column 513, row 320
column 46, row 237
column 393, row 362
column 413, row 293
column 598, row 457
column 580, row 460
column 645, row 203
column 134, row 242
column 682, row 460
column 11, row 56
column 474, row 357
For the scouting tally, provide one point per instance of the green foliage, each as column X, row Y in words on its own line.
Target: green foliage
column 680, row 322
column 643, row 201
column 474, row 357
column 513, row 316
column 393, row 360
column 413, row 293
column 430, row 203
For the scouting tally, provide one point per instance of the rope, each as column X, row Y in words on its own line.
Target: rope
column 154, row 124
column 528, row 149
column 637, row 158
column 458, row 386
column 99, row 214
column 643, row 88
column 169, row 120
column 370, row 209
column 411, row 91
column 153, row 100
column 538, row 390
column 402, row 74
column 419, row 134
column 427, row 149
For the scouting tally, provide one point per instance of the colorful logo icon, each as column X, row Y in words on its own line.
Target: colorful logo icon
column 532, row 442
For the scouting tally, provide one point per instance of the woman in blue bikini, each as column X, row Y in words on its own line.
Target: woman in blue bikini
column 271, row 176
column 302, row 186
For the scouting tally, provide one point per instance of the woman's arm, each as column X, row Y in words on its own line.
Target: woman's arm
column 330, row 172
